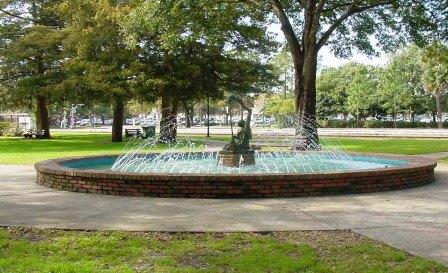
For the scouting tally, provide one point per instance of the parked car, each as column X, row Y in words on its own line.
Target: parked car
column 148, row 122
column 83, row 122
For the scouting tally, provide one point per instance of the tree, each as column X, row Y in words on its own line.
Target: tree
column 281, row 109
column 362, row 99
column 31, row 54
column 187, row 46
column 434, row 61
column 101, row 64
column 349, row 89
column 284, row 70
column 344, row 25
column 400, row 85
column 332, row 94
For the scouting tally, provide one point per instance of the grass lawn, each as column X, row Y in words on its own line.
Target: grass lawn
column 26, row 151
column 29, row 151
column 14, row 150
column 407, row 146
column 36, row 250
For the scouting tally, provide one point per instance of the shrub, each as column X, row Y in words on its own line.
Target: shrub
column 377, row 124
column 334, row 123
column 3, row 127
column 10, row 129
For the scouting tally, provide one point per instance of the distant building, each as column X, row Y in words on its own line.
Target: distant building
column 23, row 119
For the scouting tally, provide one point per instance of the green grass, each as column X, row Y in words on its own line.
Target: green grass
column 406, row 146
column 35, row 250
column 15, row 150
column 26, row 151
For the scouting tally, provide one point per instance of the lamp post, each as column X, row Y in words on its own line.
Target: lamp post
column 208, row 116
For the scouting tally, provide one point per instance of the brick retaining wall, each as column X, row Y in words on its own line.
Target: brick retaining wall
column 418, row 172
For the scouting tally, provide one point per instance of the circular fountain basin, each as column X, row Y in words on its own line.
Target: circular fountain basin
column 200, row 177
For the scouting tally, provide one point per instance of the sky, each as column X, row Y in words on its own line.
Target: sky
column 329, row 60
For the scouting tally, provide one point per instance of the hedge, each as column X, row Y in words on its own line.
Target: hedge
column 10, row 129
column 377, row 124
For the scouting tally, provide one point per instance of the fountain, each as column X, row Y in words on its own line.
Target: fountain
column 286, row 166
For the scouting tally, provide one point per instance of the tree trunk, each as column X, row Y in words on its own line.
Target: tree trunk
column 188, row 116
column 304, row 56
column 43, row 120
column 187, row 119
column 188, row 108
column 168, row 123
column 306, row 100
column 192, row 117
column 437, row 96
column 117, row 125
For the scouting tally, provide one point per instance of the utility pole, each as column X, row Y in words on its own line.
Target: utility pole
column 208, row 116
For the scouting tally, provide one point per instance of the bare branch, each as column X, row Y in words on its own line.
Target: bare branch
column 353, row 9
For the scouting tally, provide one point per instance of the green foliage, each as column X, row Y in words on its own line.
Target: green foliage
column 332, row 93
column 281, row 109
column 434, row 62
column 362, row 100
column 401, row 86
column 392, row 23
column 31, row 52
column 189, row 50
column 4, row 126
column 398, row 124
column 397, row 89
column 100, row 63
column 335, row 123
column 10, row 129
column 284, row 69
column 349, row 89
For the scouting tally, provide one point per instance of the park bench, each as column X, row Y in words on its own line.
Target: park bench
column 132, row 132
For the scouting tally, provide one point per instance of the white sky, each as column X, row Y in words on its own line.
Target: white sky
column 327, row 59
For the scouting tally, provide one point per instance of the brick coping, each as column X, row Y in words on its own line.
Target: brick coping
column 418, row 171
column 55, row 166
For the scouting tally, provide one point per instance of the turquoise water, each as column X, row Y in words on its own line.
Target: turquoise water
column 207, row 163
column 101, row 163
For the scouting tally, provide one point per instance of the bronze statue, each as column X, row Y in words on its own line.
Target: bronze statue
column 238, row 152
